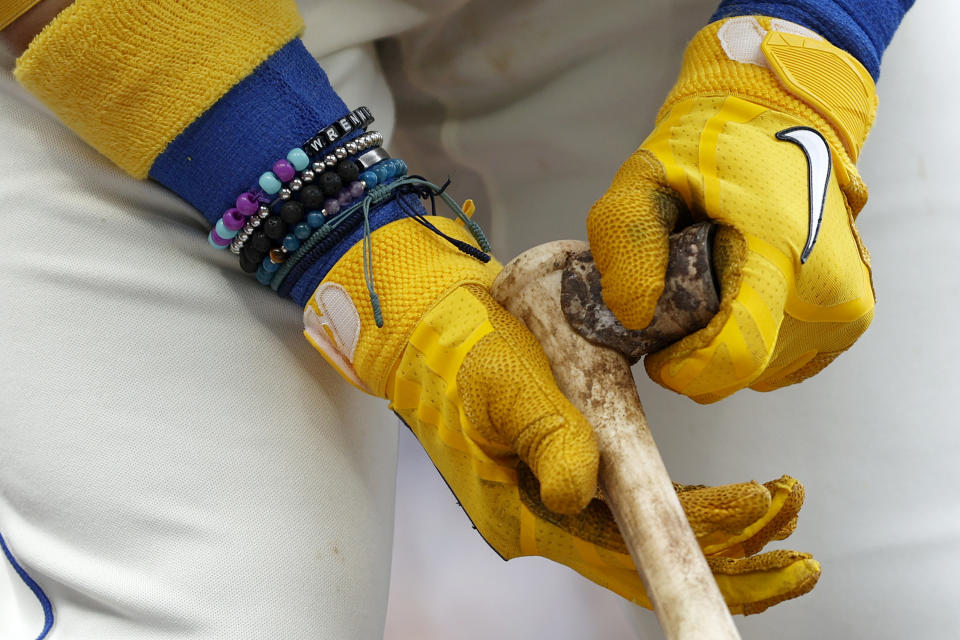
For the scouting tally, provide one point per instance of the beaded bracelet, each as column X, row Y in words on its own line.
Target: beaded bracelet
column 253, row 206
column 326, row 197
column 304, row 226
column 280, row 235
column 232, row 223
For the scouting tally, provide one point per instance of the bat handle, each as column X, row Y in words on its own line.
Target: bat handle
column 598, row 381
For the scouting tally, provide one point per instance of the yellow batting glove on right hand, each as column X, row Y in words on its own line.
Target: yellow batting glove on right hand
column 761, row 134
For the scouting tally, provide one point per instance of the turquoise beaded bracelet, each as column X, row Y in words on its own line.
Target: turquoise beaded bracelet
column 252, row 207
column 317, row 225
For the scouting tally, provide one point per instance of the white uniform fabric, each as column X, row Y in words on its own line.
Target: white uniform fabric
column 177, row 463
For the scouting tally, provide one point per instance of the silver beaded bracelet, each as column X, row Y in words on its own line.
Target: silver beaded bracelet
column 357, row 145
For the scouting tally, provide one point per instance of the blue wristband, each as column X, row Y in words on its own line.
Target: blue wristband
column 281, row 105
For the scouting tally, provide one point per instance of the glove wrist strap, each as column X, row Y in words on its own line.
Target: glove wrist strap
column 828, row 79
column 414, row 270
column 795, row 72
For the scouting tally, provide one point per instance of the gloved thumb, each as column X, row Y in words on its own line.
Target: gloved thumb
column 513, row 406
column 629, row 230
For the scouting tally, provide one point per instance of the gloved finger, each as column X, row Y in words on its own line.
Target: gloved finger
column 628, row 229
column 733, row 521
column 804, row 349
column 737, row 344
column 776, row 522
column 590, row 543
column 749, row 585
column 807, row 365
column 716, row 513
column 511, row 400
column 754, row 584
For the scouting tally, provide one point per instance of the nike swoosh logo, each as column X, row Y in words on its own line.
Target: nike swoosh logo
column 819, row 166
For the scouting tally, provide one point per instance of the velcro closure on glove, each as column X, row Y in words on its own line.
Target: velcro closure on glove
column 829, row 79
column 805, row 77
column 331, row 324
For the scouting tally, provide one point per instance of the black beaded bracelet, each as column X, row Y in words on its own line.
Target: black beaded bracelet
column 299, row 216
column 324, row 194
column 262, row 205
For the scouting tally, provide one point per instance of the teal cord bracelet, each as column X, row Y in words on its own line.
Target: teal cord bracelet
column 368, row 264
column 377, row 195
column 318, row 236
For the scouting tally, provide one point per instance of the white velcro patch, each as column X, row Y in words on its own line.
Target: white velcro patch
column 741, row 38
column 334, row 328
column 339, row 313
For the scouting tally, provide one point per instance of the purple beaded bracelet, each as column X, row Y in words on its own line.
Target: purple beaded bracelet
column 281, row 234
column 285, row 171
column 254, row 205
column 264, row 204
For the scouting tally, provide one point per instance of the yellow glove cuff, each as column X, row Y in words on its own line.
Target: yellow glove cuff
column 801, row 75
column 148, row 68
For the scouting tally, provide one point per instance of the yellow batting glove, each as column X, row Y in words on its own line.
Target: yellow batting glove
column 732, row 524
column 761, row 134
column 451, row 359
column 475, row 388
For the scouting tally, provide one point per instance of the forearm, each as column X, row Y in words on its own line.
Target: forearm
column 862, row 27
column 203, row 97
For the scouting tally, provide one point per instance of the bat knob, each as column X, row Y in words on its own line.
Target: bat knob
column 690, row 297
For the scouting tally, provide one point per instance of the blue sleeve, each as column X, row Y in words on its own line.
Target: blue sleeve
column 861, row 27
column 281, row 105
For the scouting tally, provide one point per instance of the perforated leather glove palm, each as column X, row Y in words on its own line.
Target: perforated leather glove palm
column 760, row 133
column 476, row 389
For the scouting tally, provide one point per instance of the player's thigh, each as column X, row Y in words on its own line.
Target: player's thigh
column 175, row 460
